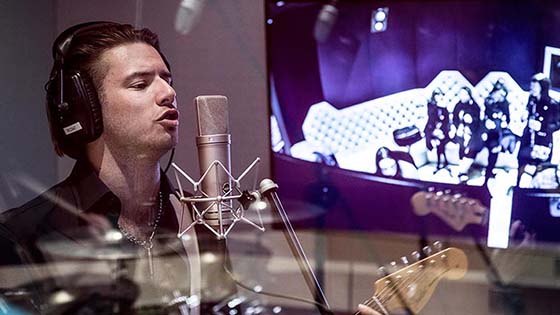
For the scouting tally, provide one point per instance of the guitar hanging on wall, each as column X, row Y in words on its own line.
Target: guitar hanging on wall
column 455, row 209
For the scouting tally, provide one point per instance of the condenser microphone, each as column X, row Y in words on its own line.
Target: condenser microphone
column 188, row 15
column 325, row 22
column 214, row 157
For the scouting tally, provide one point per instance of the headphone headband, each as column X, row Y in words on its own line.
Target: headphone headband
column 63, row 41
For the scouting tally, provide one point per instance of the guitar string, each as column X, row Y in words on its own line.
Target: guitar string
column 380, row 305
column 376, row 302
column 383, row 296
column 419, row 272
column 398, row 285
column 389, row 291
column 391, row 294
column 394, row 289
column 370, row 302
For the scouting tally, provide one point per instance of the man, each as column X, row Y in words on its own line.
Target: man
column 112, row 107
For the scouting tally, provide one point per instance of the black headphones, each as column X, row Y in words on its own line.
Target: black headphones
column 73, row 107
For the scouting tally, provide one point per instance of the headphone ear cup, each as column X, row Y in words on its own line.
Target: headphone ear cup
column 73, row 107
column 76, row 119
column 88, row 106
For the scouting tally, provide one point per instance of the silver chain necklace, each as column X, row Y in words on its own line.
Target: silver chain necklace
column 147, row 243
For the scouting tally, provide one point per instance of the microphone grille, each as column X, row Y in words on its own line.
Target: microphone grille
column 212, row 114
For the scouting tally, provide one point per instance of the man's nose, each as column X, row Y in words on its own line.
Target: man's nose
column 167, row 95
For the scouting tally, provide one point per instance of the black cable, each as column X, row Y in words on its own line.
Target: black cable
column 277, row 295
column 496, row 278
column 170, row 160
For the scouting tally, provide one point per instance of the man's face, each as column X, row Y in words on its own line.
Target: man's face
column 138, row 102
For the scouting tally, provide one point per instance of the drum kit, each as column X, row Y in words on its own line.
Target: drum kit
column 108, row 275
column 92, row 275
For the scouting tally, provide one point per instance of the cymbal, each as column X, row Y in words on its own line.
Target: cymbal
column 68, row 294
column 110, row 246
column 296, row 210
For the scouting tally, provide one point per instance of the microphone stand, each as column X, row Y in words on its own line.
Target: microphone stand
column 267, row 189
column 511, row 300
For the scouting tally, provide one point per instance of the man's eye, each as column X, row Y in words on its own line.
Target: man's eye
column 169, row 81
column 139, row 85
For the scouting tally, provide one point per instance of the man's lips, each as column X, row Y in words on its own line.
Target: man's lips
column 171, row 114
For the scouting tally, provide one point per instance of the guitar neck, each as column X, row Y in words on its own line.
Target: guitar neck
column 411, row 287
column 376, row 305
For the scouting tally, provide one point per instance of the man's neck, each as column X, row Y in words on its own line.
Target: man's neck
column 134, row 179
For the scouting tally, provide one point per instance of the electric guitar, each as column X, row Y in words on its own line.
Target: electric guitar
column 412, row 286
column 454, row 209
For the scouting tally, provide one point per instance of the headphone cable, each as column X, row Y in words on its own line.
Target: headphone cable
column 170, row 160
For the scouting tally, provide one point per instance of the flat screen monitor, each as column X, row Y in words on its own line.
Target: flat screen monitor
column 379, row 99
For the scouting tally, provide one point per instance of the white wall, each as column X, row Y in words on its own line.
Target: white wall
column 27, row 164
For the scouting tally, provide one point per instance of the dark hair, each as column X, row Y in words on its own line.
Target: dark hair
column 436, row 91
column 545, row 83
column 385, row 153
column 83, row 53
column 468, row 90
column 499, row 85
column 86, row 48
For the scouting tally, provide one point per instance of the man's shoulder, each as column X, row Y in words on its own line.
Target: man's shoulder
column 25, row 219
column 20, row 227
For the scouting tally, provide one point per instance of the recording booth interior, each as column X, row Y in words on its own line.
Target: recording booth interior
column 412, row 148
